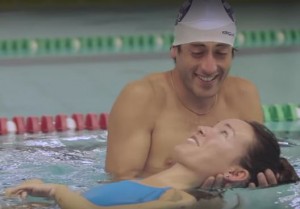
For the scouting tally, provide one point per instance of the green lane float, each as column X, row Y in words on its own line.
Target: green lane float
column 139, row 43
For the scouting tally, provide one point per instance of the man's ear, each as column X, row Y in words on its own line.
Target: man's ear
column 173, row 52
column 236, row 174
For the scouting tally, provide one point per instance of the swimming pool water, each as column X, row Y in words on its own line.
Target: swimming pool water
column 77, row 159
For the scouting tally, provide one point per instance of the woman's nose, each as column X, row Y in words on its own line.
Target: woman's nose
column 204, row 130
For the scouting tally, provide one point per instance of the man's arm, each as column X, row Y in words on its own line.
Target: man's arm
column 129, row 130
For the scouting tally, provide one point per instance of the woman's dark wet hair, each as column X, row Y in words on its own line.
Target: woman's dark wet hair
column 265, row 154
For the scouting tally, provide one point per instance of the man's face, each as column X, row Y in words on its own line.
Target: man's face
column 203, row 66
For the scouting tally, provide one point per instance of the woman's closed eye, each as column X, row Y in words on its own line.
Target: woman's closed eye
column 224, row 133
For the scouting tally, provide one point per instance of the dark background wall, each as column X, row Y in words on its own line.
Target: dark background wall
column 17, row 4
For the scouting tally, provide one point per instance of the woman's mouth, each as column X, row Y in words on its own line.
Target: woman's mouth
column 193, row 140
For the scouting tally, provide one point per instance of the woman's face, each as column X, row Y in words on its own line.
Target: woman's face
column 213, row 150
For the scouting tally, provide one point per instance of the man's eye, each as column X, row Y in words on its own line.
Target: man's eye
column 222, row 53
column 198, row 54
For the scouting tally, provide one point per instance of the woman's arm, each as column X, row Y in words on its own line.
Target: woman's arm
column 68, row 199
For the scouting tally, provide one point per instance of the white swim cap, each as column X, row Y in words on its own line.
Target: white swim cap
column 205, row 20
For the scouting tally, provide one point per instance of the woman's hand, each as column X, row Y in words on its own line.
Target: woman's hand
column 33, row 188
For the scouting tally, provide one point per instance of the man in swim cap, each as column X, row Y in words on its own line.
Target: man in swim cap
column 153, row 114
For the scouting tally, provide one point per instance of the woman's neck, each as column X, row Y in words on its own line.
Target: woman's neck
column 177, row 177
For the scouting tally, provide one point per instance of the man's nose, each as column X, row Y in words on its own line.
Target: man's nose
column 209, row 65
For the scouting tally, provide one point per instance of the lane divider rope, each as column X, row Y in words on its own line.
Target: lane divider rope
column 49, row 124
column 94, row 121
column 138, row 43
column 281, row 112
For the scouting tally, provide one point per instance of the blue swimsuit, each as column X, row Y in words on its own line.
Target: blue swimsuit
column 123, row 192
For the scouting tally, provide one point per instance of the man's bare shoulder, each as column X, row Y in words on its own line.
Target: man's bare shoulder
column 149, row 85
column 243, row 97
column 239, row 91
column 237, row 86
column 157, row 79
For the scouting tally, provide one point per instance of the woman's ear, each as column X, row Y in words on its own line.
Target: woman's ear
column 173, row 52
column 236, row 175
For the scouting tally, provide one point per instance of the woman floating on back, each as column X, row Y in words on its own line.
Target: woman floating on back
column 235, row 148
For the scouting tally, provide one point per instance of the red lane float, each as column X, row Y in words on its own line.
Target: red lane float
column 3, row 126
column 33, row 125
column 91, row 122
column 20, row 124
column 49, row 124
column 61, row 123
column 103, row 121
column 79, row 121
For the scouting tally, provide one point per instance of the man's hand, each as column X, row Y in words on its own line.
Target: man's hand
column 214, row 182
column 265, row 179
